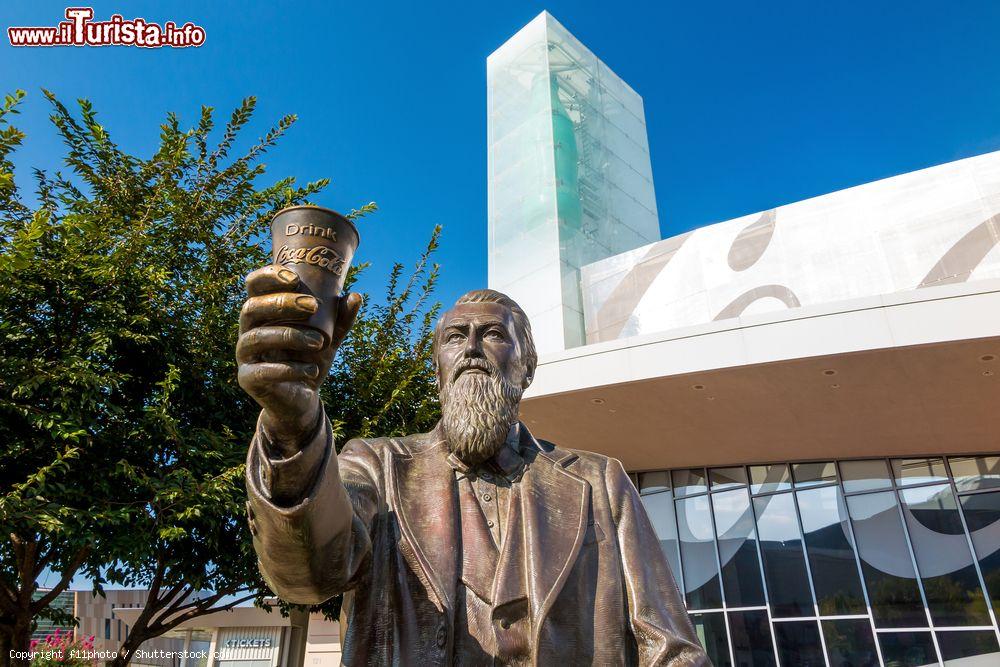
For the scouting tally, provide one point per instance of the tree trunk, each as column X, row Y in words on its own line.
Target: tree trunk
column 19, row 639
column 125, row 652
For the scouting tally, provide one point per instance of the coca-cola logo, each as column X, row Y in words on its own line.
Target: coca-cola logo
column 320, row 255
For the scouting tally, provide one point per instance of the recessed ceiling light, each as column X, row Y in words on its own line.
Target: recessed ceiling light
column 834, row 386
column 711, row 398
column 597, row 401
column 698, row 387
column 987, row 373
column 988, row 357
column 829, row 371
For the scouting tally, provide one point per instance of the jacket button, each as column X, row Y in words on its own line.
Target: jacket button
column 442, row 636
column 505, row 624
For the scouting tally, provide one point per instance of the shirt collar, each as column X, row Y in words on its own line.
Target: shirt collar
column 508, row 461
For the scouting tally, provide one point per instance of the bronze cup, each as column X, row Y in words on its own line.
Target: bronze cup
column 318, row 245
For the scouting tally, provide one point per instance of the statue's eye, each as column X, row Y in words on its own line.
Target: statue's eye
column 455, row 337
column 495, row 334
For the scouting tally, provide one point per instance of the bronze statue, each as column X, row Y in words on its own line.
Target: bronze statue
column 472, row 544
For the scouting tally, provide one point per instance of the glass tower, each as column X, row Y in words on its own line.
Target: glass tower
column 570, row 180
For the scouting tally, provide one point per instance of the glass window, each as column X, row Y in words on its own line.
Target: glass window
column 972, row 473
column 711, row 631
column 765, row 479
column 701, row 570
column 107, row 626
column 750, row 632
column 810, row 474
column 885, row 561
column 919, row 471
column 849, row 642
column 654, row 482
column 737, row 549
column 689, row 482
column 951, row 584
column 799, row 644
column 831, row 557
column 864, row 475
column 784, row 564
column 907, row 649
column 982, row 516
column 969, row 644
column 660, row 508
column 727, row 478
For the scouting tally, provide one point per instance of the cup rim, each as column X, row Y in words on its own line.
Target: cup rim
column 340, row 216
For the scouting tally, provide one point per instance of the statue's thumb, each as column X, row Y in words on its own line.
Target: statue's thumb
column 347, row 313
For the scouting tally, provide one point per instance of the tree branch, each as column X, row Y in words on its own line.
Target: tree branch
column 67, row 576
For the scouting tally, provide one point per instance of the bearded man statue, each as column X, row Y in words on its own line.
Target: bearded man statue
column 473, row 544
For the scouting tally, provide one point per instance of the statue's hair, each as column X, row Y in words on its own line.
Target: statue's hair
column 529, row 356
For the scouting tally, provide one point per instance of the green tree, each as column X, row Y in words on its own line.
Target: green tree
column 125, row 431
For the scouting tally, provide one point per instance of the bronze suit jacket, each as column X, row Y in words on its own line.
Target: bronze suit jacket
column 380, row 523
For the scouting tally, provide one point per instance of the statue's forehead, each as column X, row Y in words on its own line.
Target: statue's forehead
column 476, row 311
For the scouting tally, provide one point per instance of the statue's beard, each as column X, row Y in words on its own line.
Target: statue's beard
column 477, row 410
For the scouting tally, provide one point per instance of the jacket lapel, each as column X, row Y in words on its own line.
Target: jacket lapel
column 555, row 504
column 426, row 502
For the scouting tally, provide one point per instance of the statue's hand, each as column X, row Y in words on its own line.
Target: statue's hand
column 283, row 366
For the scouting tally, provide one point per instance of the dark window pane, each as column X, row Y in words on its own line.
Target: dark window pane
column 982, row 515
column 980, row 644
column 737, row 549
column 632, row 477
column 972, row 473
column 701, row 569
column 831, row 557
column 688, row 482
column 727, row 478
column 784, row 564
column 849, row 643
column 864, row 475
column 943, row 557
column 798, row 644
column 765, row 479
column 750, row 632
column 919, row 471
column 885, row 561
column 654, row 482
column 809, row 474
column 907, row 649
column 660, row 508
column 711, row 631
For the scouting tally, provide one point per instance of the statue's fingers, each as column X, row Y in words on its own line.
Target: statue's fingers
column 274, row 308
column 347, row 313
column 271, row 278
column 256, row 342
column 265, row 378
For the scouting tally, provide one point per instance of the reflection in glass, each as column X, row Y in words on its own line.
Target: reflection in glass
column 798, row 644
column 885, row 561
column 711, row 631
column 951, row 584
column 919, row 471
column 810, row 474
column 982, row 516
column 849, row 642
column 907, row 649
column 781, row 548
column 864, row 475
column 689, row 482
column 654, row 482
column 737, row 550
column 831, row 558
column 660, row 508
column 765, row 479
column 750, row 632
column 972, row 473
column 701, row 570
column 980, row 645
column 727, row 478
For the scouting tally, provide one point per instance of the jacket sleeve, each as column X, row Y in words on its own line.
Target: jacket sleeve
column 657, row 617
column 311, row 514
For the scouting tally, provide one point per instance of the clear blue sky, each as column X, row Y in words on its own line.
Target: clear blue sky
column 748, row 106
